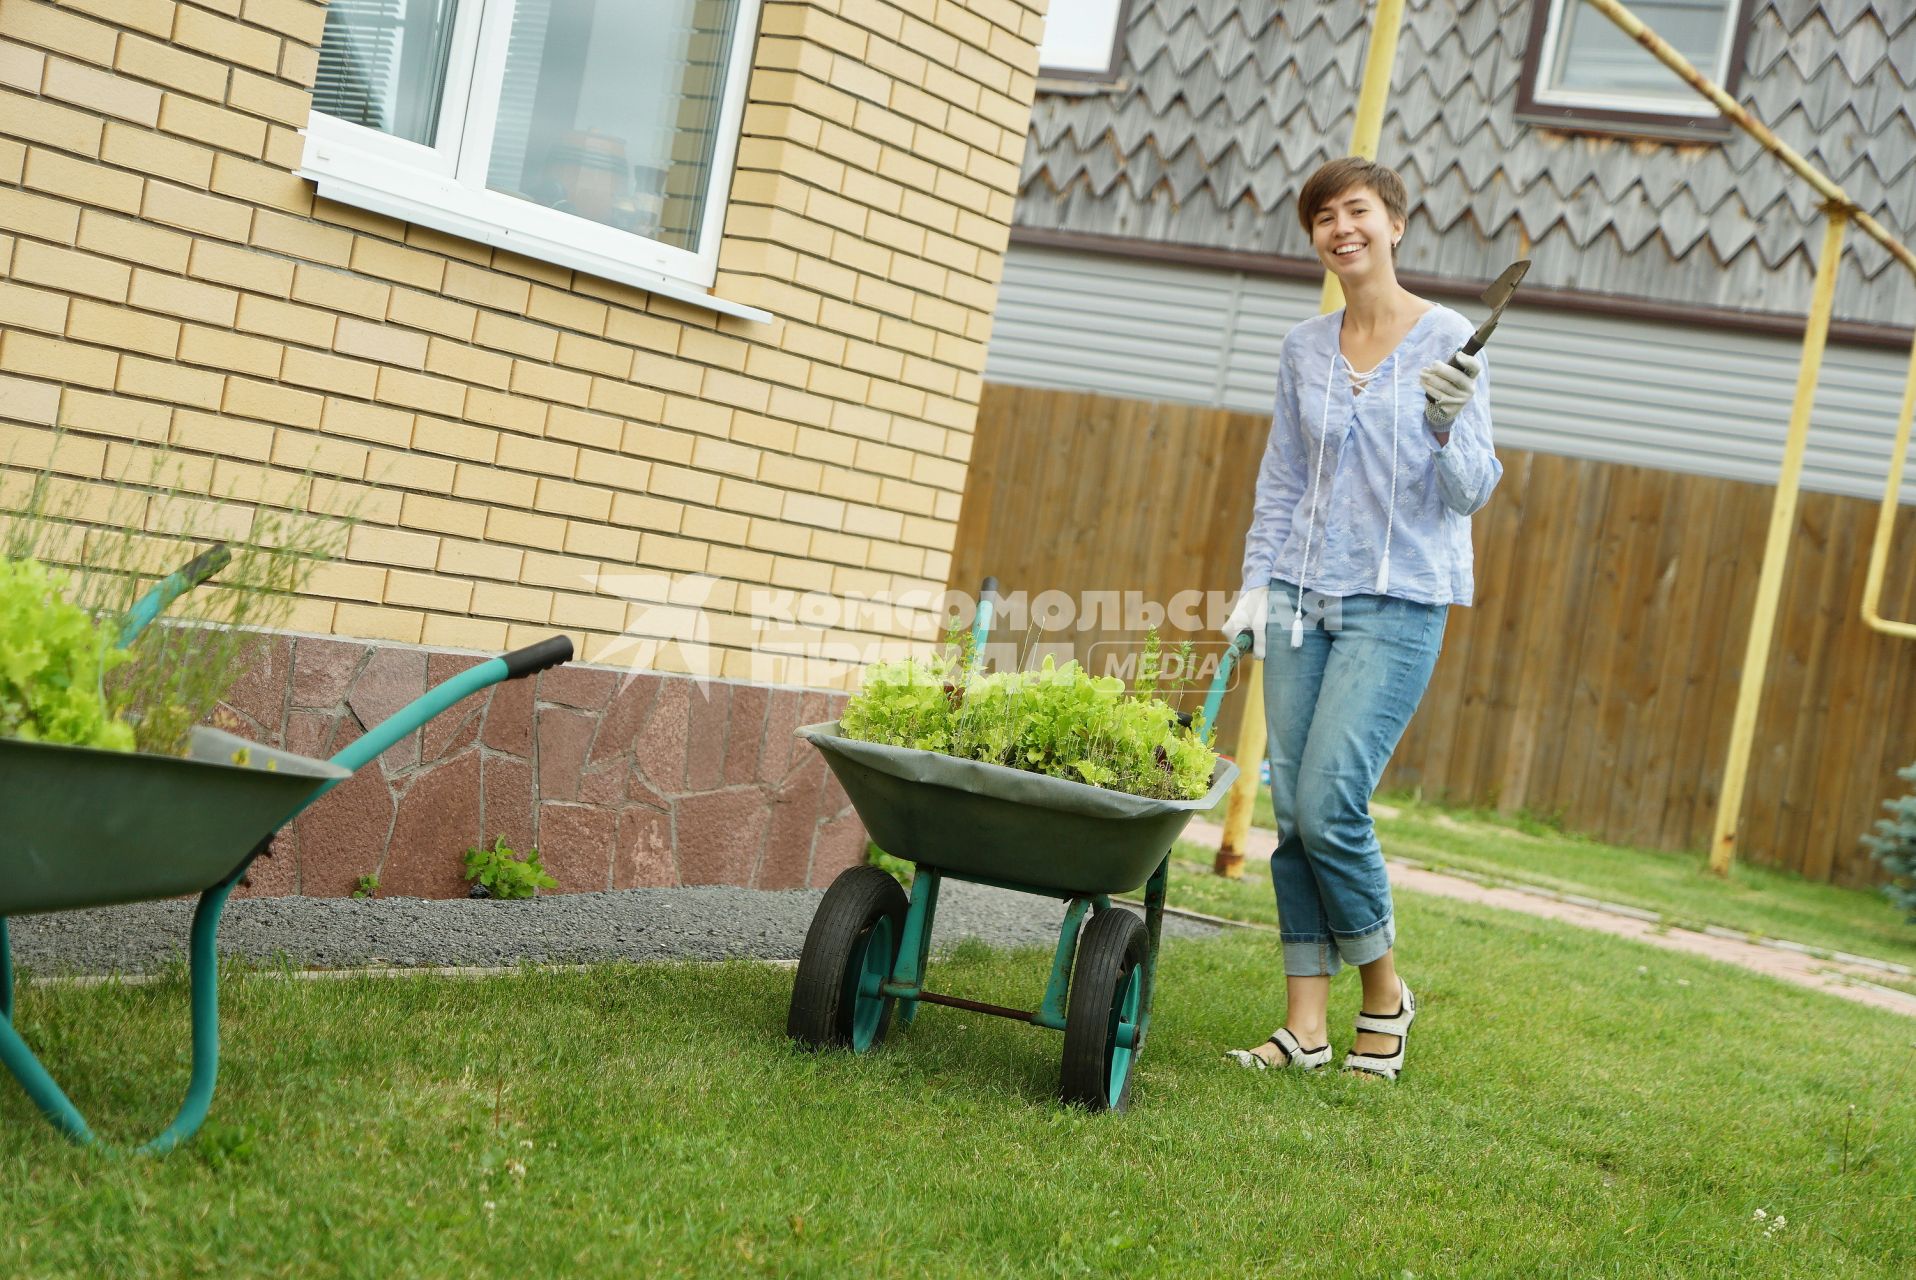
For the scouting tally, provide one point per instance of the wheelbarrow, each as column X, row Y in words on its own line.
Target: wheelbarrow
column 89, row 828
column 989, row 824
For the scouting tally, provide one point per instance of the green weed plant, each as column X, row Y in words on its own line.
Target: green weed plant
column 505, row 873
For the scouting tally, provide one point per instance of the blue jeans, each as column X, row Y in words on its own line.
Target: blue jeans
column 1337, row 708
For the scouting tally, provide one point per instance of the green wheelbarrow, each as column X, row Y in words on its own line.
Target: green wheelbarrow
column 91, row 828
column 868, row 944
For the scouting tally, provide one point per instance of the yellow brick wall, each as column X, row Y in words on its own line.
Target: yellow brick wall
column 505, row 429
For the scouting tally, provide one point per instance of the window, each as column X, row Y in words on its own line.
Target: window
column 1581, row 69
column 599, row 134
column 1081, row 39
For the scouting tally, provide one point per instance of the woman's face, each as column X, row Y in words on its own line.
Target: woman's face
column 1353, row 234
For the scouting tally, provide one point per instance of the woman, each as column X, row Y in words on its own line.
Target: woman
column 1359, row 542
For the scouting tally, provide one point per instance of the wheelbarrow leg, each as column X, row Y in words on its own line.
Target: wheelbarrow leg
column 914, row 949
column 204, row 954
column 1154, row 895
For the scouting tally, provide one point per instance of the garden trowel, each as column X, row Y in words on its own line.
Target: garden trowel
column 1495, row 297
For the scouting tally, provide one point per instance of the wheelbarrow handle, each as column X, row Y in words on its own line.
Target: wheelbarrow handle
column 520, row 662
column 1221, row 681
column 170, row 588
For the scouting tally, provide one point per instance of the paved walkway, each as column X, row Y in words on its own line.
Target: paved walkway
column 1851, row 977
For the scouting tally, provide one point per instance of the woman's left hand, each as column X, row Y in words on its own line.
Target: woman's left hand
column 1449, row 388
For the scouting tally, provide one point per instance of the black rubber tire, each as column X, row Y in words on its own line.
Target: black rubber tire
column 1114, row 944
column 821, row 1016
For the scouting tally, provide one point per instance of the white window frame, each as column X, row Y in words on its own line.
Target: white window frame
column 444, row 186
column 1105, row 66
column 1690, row 104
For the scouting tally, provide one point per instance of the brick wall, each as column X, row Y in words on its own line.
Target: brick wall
column 506, row 430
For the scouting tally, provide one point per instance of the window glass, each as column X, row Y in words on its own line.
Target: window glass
column 1079, row 35
column 382, row 64
column 610, row 111
column 1593, row 55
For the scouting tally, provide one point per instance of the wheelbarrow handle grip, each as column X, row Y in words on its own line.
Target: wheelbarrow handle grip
column 535, row 658
column 172, row 587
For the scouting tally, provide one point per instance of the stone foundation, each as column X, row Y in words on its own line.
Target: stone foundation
column 621, row 780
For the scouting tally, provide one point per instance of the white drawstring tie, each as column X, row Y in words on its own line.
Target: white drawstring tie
column 1317, row 475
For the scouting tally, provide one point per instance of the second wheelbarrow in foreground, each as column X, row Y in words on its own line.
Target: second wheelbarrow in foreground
column 92, row 828
column 989, row 824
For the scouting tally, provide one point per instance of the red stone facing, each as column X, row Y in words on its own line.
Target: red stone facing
column 438, row 821
column 393, row 678
column 344, row 836
column 660, row 748
column 586, row 688
column 564, row 738
column 841, row 844
column 709, row 709
column 509, row 812
column 260, row 693
column 323, row 670
column 644, row 856
column 720, row 835
column 620, row 779
column 746, row 733
column 275, row 873
column 781, row 744
column 576, row 844
column 788, row 848
column 620, row 726
column 310, row 733
column 509, row 719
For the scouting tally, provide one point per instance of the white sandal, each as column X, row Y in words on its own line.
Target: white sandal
column 1397, row 1024
column 1295, row 1054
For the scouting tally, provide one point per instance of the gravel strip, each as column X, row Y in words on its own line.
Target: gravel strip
column 633, row 924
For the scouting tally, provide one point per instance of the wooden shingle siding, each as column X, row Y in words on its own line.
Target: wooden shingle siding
column 1221, row 110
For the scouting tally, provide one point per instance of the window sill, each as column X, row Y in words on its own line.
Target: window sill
column 1697, row 130
column 411, row 208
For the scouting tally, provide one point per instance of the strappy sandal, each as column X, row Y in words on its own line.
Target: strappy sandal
column 1295, row 1054
column 1396, row 1024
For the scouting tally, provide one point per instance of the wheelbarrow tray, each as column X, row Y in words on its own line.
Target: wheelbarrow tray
column 89, row 828
column 1004, row 824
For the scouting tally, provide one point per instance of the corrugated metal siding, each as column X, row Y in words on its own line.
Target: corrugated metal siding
column 1657, row 395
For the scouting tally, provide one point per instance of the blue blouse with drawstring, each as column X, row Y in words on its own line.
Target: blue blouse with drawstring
column 1355, row 496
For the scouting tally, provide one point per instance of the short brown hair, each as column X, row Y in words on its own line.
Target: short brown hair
column 1335, row 177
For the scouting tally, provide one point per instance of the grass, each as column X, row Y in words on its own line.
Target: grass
column 1575, row 1105
column 1520, row 848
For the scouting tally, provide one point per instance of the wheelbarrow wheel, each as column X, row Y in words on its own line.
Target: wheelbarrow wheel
column 1101, row 1042
column 848, row 952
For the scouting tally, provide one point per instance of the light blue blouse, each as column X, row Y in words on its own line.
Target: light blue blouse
column 1354, row 495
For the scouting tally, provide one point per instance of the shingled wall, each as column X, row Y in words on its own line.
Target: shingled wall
column 1222, row 108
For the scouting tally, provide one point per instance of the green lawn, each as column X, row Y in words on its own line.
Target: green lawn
column 1575, row 1105
column 1677, row 886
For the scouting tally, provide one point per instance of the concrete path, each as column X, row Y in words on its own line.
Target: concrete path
column 1851, row 977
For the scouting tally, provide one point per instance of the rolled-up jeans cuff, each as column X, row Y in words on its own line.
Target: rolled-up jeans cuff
column 1370, row 945
column 1311, row 958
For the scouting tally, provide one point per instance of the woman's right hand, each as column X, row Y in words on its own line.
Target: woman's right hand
column 1251, row 612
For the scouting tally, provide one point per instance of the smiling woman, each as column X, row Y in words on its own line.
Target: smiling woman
column 1379, row 453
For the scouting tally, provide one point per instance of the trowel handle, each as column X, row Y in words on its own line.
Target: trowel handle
column 1470, row 348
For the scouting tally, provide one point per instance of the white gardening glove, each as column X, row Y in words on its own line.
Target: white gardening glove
column 1450, row 388
column 1250, row 613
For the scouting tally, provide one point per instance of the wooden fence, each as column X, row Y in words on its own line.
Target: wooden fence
column 1594, row 678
